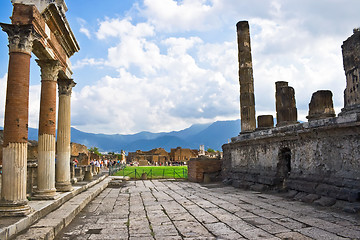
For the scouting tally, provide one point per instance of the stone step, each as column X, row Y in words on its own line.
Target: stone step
column 50, row 216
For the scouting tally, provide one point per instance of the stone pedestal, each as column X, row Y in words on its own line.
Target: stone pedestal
column 321, row 105
column 46, row 149
column 247, row 98
column 13, row 200
column 286, row 111
column 63, row 181
column 88, row 174
column 351, row 60
column 265, row 122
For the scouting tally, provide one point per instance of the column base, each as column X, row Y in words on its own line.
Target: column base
column 64, row 187
column 9, row 209
column 46, row 195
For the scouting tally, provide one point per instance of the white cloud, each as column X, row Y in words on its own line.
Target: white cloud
column 3, row 83
column 168, row 79
column 34, row 102
column 88, row 62
column 123, row 28
column 83, row 28
column 179, row 46
column 174, row 16
column 34, row 105
column 85, row 31
column 171, row 90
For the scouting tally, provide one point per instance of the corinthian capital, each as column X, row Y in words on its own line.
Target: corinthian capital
column 65, row 86
column 49, row 69
column 21, row 37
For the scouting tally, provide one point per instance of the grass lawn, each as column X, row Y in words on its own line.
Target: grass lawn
column 154, row 172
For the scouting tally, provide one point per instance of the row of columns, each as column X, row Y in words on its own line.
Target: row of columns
column 13, row 200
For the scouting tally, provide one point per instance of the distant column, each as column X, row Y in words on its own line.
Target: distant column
column 47, row 125
column 286, row 111
column 351, row 60
column 13, row 187
column 247, row 98
column 321, row 105
column 63, row 182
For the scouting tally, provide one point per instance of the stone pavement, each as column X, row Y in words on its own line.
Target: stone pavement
column 165, row 209
column 49, row 221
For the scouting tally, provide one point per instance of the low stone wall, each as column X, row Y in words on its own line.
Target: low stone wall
column 319, row 157
column 198, row 167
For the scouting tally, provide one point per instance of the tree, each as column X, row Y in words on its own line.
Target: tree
column 210, row 150
column 95, row 150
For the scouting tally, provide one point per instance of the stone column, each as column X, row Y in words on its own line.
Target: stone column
column 63, row 148
column 286, row 111
column 321, row 105
column 13, row 188
column 247, row 98
column 46, row 148
column 351, row 60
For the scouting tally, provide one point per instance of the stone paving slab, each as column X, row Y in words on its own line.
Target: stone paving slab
column 164, row 209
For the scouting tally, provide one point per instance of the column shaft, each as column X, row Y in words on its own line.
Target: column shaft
column 13, row 188
column 63, row 181
column 247, row 98
column 46, row 148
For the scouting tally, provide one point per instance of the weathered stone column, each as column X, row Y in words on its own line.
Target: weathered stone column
column 351, row 60
column 286, row 111
column 46, row 148
column 247, row 98
column 321, row 105
column 63, row 182
column 13, row 188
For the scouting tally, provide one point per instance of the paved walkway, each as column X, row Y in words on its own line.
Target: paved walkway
column 168, row 210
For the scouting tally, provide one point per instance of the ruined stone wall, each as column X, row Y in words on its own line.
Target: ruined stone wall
column 320, row 157
column 197, row 167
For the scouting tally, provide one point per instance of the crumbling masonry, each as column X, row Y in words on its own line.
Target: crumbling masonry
column 319, row 158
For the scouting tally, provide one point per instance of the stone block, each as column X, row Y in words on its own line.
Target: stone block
column 325, row 201
column 310, row 198
column 265, row 122
column 259, row 187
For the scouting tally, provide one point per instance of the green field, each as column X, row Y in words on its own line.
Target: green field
column 154, row 172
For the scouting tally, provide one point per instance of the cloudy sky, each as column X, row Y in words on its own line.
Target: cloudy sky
column 163, row 65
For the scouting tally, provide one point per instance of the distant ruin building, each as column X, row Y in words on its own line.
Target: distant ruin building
column 155, row 156
column 182, row 154
column 320, row 159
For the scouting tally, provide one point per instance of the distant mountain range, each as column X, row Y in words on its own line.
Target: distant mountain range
column 211, row 135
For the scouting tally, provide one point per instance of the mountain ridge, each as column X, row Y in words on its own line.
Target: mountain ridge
column 212, row 135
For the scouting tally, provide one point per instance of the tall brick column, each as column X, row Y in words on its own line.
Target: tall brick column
column 13, row 187
column 247, row 98
column 46, row 148
column 63, row 182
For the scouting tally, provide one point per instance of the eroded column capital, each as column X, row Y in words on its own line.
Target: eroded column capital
column 21, row 37
column 49, row 69
column 65, row 86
